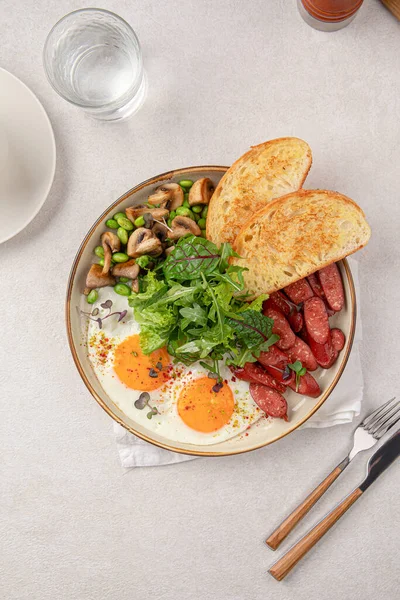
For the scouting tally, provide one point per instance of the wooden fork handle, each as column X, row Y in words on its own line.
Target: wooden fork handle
column 282, row 567
column 283, row 530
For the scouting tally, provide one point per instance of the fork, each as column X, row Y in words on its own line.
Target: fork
column 367, row 434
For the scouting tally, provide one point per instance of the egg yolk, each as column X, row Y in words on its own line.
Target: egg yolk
column 138, row 371
column 203, row 409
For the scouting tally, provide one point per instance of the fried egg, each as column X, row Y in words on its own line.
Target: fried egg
column 176, row 401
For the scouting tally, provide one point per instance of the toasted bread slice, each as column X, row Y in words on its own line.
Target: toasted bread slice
column 296, row 235
column 265, row 172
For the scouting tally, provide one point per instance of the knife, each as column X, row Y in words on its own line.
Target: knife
column 377, row 464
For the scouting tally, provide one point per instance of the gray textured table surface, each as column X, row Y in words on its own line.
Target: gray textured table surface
column 223, row 75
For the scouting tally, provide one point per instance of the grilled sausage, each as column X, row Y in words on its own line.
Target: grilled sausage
column 299, row 291
column 282, row 328
column 316, row 320
column 302, row 352
column 332, row 285
column 269, row 400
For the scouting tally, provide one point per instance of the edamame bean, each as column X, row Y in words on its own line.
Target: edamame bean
column 197, row 209
column 203, row 233
column 101, row 262
column 125, row 223
column 169, row 222
column 112, row 224
column 143, row 261
column 122, row 289
column 204, row 212
column 92, row 297
column 119, row 214
column 196, row 217
column 123, row 235
column 183, row 211
column 139, row 222
column 120, row 257
column 186, row 184
column 124, row 279
column 99, row 251
column 201, row 223
column 172, row 214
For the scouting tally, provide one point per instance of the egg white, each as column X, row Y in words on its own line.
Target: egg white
column 168, row 423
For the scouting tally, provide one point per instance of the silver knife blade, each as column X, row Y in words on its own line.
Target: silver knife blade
column 382, row 459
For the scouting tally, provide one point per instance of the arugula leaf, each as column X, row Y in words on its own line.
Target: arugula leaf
column 179, row 293
column 226, row 252
column 199, row 348
column 270, row 342
column 196, row 314
column 257, row 304
column 191, row 257
column 251, row 328
column 233, row 276
column 218, row 308
column 242, row 356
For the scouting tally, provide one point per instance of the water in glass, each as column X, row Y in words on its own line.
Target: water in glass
column 92, row 58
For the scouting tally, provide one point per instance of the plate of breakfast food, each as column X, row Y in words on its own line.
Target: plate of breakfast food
column 211, row 310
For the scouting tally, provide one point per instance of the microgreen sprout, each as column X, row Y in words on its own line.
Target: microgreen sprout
column 213, row 371
column 298, row 368
column 143, row 401
column 107, row 306
column 163, row 223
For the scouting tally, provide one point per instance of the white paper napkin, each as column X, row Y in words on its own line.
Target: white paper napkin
column 344, row 404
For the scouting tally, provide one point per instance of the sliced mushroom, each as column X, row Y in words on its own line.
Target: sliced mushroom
column 127, row 269
column 161, row 231
column 168, row 195
column 111, row 243
column 135, row 286
column 143, row 241
column 201, row 191
column 182, row 226
column 148, row 220
column 133, row 212
column 169, row 250
column 97, row 279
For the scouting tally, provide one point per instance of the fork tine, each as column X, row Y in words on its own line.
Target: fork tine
column 384, row 427
column 382, row 420
column 376, row 414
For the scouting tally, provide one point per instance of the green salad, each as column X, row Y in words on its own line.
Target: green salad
column 194, row 303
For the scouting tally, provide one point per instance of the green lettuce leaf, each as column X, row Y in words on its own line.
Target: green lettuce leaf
column 152, row 289
column 253, row 329
column 192, row 256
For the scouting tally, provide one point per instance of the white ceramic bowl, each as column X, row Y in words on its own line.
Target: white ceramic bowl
column 265, row 431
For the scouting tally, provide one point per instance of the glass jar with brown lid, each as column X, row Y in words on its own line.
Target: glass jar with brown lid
column 328, row 15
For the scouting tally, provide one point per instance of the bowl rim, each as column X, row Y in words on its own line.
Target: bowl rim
column 111, row 208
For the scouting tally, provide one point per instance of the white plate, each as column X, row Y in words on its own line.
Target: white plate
column 27, row 155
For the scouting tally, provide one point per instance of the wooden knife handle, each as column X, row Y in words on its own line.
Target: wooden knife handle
column 282, row 567
column 291, row 521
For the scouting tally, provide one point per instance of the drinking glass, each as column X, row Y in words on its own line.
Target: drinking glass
column 92, row 58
